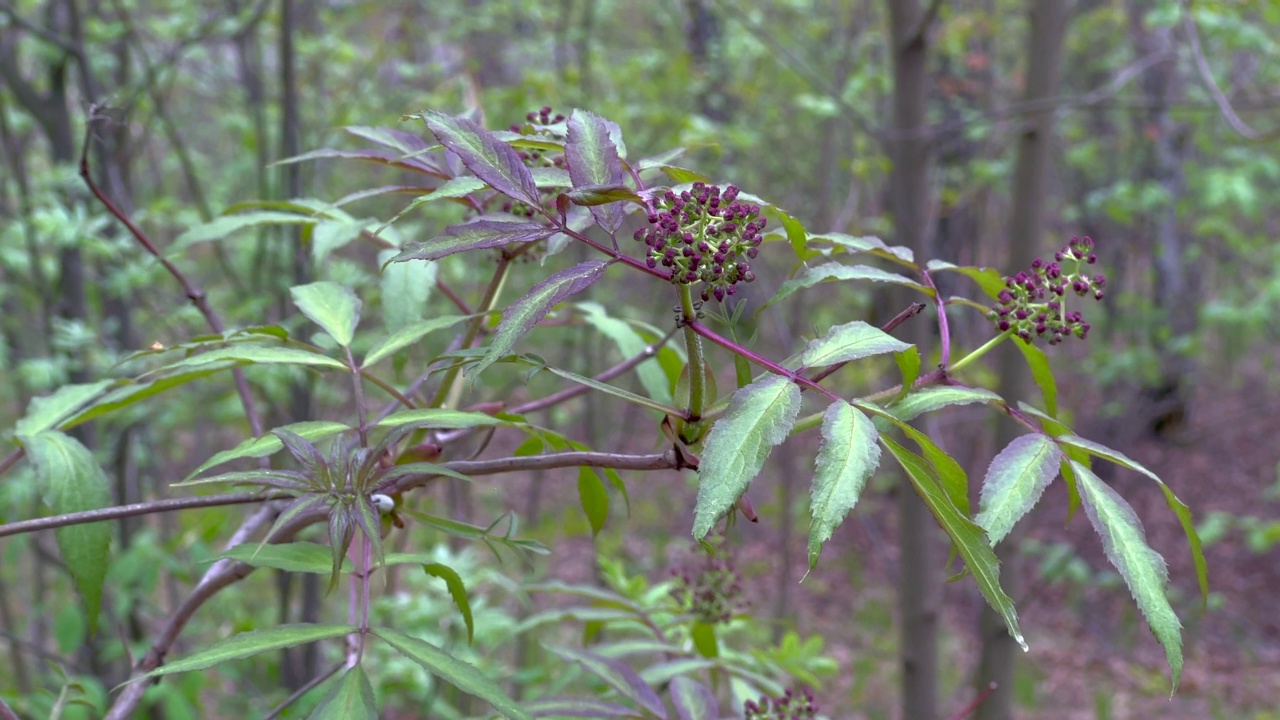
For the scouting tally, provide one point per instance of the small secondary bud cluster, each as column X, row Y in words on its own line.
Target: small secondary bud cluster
column 712, row 591
column 791, row 706
column 1033, row 304
column 539, row 124
column 704, row 235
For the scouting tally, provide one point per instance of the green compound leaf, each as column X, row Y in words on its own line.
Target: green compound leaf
column 248, row 644
column 72, row 481
column 693, row 700
column 1015, row 480
column 968, row 538
column 311, row 430
column 407, row 336
column 1178, row 507
column 457, row 591
column 838, row 271
column 594, row 499
column 492, row 160
column 759, row 416
column 351, row 699
column 526, row 312
column 935, row 398
column 1041, row 373
column 618, row 676
column 847, row 457
column 850, row 341
column 475, row 235
column 593, row 162
column 298, row 556
column 1141, row 567
column 333, row 307
column 869, row 244
column 45, row 413
column 462, row 675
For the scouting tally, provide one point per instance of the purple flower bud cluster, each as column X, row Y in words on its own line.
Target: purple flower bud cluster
column 711, row 591
column 704, row 235
column 790, row 706
column 539, row 123
column 1032, row 304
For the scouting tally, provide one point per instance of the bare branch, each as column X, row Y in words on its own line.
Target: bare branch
column 1206, row 74
column 134, row 510
column 193, row 291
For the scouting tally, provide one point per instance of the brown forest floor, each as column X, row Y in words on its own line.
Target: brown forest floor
column 1089, row 647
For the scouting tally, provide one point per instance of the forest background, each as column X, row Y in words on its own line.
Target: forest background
column 1157, row 123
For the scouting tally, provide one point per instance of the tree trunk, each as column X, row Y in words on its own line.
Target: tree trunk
column 918, row 583
column 1046, row 31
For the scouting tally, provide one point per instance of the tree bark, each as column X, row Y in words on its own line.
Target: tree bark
column 1047, row 29
column 918, row 584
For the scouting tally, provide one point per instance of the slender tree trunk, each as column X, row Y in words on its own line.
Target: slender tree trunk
column 918, row 581
column 1046, row 31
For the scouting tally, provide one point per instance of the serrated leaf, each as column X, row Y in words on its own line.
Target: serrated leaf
column 46, row 412
column 593, row 160
column 406, row 336
column 311, row 430
column 951, row 477
column 457, row 591
column 475, row 235
column 490, row 159
column 577, row 708
column 693, row 700
column 847, row 457
column 442, row 419
column 297, row 556
column 969, row 539
column 250, row 643
column 630, row 344
column 350, row 699
column 935, row 398
column 382, row 157
column 618, row 676
column 838, row 271
column 460, row 674
column 1016, row 478
column 255, row 355
column 759, row 416
column 405, row 142
column 526, row 312
column 1178, row 507
column 1041, row 373
column 406, row 288
column 988, row 279
column 850, row 341
column 593, row 498
column 72, row 481
column 221, row 227
column 869, row 244
column 597, row 196
column 1142, row 568
column 909, row 364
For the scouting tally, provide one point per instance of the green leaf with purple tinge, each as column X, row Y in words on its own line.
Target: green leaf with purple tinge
column 850, row 341
column 593, row 161
column 475, row 235
column 618, row 676
column 839, row 271
column 1142, row 568
column 759, row 416
column 847, row 457
column 1015, row 480
column 526, row 312
column 490, row 159
column 1178, row 507
column 693, row 700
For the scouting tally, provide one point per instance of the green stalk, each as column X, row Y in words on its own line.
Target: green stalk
column 697, row 366
column 446, row 389
column 986, row 347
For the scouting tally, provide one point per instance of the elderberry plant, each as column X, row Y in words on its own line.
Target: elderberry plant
column 542, row 185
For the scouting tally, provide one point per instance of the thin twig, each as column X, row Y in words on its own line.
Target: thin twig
column 966, row 710
column 193, row 291
column 151, row 507
column 1206, row 74
column 311, row 684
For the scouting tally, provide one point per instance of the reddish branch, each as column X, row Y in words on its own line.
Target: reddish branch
column 193, row 291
